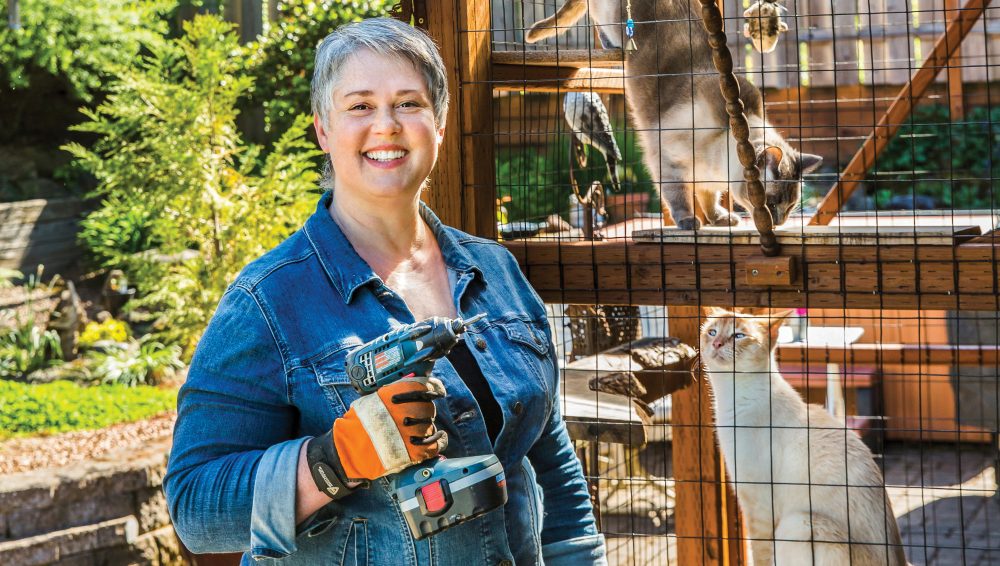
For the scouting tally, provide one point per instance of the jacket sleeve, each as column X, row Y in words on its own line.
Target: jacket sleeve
column 231, row 478
column 569, row 532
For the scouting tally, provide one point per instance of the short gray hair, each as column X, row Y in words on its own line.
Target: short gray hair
column 384, row 36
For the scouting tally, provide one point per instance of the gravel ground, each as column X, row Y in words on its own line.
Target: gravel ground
column 26, row 454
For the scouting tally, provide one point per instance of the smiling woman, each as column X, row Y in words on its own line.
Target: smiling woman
column 267, row 399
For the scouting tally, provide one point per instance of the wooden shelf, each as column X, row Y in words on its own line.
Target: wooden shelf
column 577, row 58
column 890, row 276
column 813, row 235
column 563, row 71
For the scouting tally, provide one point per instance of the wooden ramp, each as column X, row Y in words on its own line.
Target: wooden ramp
column 825, row 235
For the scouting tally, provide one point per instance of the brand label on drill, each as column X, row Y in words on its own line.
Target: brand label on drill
column 387, row 358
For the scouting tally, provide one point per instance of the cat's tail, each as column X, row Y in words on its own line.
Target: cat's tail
column 565, row 16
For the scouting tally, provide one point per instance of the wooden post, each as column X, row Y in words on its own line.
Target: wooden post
column 462, row 190
column 13, row 14
column 855, row 172
column 955, row 102
column 272, row 11
column 707, row 518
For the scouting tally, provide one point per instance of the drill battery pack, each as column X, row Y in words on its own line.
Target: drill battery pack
column 449, row 491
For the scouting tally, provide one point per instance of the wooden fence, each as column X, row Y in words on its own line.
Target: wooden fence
column 38, row 232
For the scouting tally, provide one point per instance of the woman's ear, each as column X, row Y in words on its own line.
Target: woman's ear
column 321, row 133
column 440, row 135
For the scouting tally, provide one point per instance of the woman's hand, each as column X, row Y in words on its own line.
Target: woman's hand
column 391, row 429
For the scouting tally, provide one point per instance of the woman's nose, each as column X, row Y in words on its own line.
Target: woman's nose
column 386, row 122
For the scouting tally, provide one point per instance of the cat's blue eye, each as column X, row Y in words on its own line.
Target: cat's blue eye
column 739, row 335
column 712, row 332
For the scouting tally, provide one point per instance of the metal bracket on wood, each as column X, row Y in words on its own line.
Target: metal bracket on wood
column 772, row 271
column 411, row 11
column 946, row 45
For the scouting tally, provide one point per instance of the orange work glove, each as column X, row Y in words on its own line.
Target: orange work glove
column 382, row 433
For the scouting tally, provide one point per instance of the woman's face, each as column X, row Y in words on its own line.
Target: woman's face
column 380, row 132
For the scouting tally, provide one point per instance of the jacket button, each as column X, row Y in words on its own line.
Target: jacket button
column 518, row 408
column 480, row 343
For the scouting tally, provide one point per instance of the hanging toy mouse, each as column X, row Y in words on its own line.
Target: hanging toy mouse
column 764, row 24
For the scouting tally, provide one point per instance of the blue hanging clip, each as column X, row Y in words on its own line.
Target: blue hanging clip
column 629, row 28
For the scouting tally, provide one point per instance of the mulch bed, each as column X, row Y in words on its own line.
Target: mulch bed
column 35, row 453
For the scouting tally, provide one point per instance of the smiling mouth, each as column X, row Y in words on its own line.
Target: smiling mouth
column 385, row 156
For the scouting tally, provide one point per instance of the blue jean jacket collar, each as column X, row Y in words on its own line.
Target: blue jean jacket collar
column 345, row 268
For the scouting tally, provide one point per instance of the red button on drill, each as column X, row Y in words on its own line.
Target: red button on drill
column 433, row 497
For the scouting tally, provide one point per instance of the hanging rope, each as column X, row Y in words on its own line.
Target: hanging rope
column 712, row 18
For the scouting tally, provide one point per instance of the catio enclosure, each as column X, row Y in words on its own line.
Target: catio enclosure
column 888, row 258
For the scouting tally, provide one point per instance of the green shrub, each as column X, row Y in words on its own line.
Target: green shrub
column 538, row 183
column 25, row 346
column 81, row 40
column 168, row 146
column 952, row 162
column 120, row 228
column 63, row 406
column 282, row 60
column 144, row 361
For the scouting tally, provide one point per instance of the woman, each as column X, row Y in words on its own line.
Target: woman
column 267, row 396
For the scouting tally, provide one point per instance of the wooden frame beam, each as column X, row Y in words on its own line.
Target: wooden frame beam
column 462, row 189
column 902, row 354
column 965, row 277
column 945, row 47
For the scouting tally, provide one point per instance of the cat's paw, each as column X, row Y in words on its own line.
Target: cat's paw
column 726, row 219
column 689, row 223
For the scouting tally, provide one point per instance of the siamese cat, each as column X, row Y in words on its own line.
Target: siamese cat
column 808, row 487
column 673, row 95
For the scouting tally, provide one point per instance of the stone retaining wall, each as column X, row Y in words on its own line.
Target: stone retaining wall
column 100, row 512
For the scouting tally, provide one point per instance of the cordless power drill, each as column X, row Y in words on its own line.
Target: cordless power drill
column 441, row 492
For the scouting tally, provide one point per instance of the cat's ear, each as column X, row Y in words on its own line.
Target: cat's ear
column 775, row 319
column 716, row 311
column 809, row 163
column 769, row 158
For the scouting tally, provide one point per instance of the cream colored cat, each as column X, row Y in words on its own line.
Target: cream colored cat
column 808, row 488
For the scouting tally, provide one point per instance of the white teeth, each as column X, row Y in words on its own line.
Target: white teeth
column 385, row 155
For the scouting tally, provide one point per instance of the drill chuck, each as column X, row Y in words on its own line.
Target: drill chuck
column 411, row 349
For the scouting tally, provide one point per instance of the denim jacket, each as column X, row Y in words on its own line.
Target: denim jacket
column 268, row 375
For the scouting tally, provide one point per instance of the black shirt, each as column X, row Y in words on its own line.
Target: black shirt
column 467, row 368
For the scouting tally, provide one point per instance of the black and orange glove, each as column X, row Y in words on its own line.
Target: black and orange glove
column 380, row 434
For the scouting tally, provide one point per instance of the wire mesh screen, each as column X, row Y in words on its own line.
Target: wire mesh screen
column 842, row 407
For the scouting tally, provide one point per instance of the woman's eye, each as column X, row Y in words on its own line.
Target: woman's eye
column 359, row 107
column 712, row 332
column 410, row 104
column 739, row 335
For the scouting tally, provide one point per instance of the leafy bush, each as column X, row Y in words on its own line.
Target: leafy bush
column 282, row 60
column 63, row 406
column 951, row 162
column 538, row 183
column 28, row 348
column 25, row 346
column 82, row 40
column 141, row 362
column 120, row 228
column 168, row 145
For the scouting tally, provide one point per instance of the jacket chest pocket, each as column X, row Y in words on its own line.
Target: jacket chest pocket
column 531, row 345
column 331, row 374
